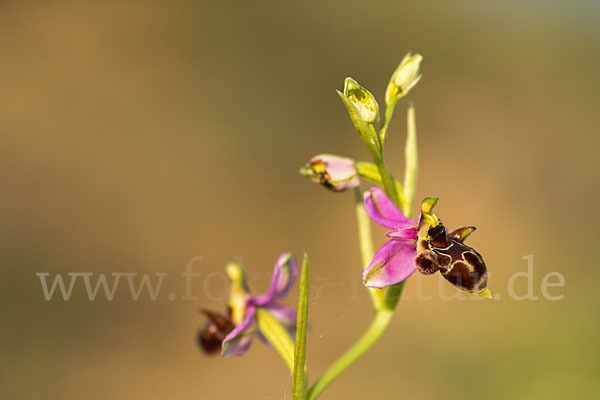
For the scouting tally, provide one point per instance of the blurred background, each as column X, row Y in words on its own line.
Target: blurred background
column 135, row 138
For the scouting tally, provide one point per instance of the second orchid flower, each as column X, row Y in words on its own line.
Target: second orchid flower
column 234, row 332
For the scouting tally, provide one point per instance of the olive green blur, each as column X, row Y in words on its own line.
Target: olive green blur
column 140, row 138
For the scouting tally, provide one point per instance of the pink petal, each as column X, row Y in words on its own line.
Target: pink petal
column 407, row 234
column 393, row 263
column 239, row 339
column 384, row 212
column 338, row 168
column 283, row 314
column 284, row 275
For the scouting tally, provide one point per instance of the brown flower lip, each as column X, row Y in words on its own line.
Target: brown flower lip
column 218, row 326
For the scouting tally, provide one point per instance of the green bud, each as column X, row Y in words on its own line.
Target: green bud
column 362, row 99
column 404, row 78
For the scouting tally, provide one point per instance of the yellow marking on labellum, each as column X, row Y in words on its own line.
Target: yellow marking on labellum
column 485, row 293
column 470, row 266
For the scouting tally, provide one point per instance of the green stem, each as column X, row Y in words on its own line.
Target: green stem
column 276, row 335
column 387, row 117
column 374, row 134
column 387, row 181
column 300, row 379
column 392, row 295
column 373, row 333
column 365, row 244
column 370, row 172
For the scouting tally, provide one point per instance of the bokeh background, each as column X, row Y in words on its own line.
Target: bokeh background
column 134, row 137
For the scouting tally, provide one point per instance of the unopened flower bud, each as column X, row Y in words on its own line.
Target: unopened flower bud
column 334, row 172
column 362, row 99
column 404, row 78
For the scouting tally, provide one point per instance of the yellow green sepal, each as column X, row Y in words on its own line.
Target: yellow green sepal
column 238, row 292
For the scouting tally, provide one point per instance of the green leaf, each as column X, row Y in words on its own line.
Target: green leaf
column 368, row 171
column 299, row 373
column 276, row 335
column 412, row 161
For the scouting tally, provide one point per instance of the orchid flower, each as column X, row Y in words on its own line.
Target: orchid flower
column 423, row 245
column 244, row 306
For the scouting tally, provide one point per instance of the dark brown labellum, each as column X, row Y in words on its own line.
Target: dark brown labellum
column 214, row 332
column 467, row 269
column 460, row 264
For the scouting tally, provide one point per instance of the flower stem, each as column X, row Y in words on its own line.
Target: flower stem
column 277, row 336
column 388, row 182
column 370, row 172
column 392, row 296
column 377, row 327
column 387, row 117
